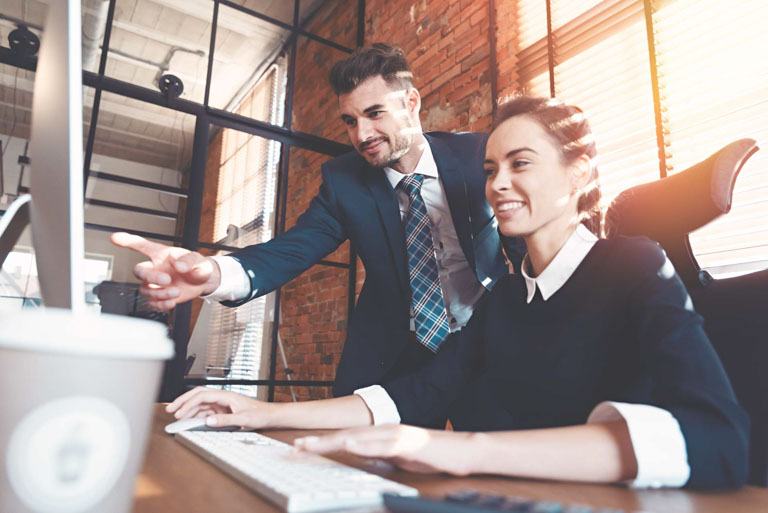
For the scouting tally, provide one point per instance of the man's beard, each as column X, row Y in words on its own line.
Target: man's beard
column 398, row 148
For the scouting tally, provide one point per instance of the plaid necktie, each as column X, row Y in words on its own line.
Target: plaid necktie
column 427, row 304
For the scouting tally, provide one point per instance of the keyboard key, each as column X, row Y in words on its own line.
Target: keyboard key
column 297, row 483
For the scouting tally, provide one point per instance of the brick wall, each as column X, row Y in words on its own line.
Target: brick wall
column 448, row 45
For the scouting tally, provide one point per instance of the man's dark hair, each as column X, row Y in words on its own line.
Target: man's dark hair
column 377, row 59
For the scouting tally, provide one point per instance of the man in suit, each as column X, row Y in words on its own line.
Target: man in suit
column 430, row 245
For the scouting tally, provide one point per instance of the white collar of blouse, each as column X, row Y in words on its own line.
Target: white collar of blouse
column 562, row 266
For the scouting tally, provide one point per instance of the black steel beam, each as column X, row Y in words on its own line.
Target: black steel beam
column 182, row 314
column 148, row 235
column 97, row 95
column 211, row 50
column 360, row 23
column 286, row 26
column 121, row 206
column 167, row 189
column 215, row 116
column 284, row 135
column 282, row 190
column 131, row 208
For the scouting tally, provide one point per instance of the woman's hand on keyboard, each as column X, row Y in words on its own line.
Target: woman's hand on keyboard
column 411, row 448
column 221, row 408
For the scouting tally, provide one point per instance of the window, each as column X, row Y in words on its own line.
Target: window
column 710, row 88
column 227, row 342
column 19, row 286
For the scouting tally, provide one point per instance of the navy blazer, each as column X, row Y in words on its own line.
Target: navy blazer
column 357, row 202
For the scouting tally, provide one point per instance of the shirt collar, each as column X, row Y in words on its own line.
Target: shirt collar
column 562, row 266
column 426, row 166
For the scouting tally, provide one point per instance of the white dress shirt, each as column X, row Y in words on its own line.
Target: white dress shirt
column 458, row 280
column 657, row 440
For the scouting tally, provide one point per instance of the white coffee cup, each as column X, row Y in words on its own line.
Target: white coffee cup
column 76, row 394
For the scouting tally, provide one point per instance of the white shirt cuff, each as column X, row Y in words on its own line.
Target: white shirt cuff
column 658, row 442
column 383, row 408
column 234, row 284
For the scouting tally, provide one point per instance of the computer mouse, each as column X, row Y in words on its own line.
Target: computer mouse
column 194, row 424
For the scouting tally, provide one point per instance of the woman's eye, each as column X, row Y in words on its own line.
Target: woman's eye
column 520, row 163
column 489, row 171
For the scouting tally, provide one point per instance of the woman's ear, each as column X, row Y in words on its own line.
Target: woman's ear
column 580, row 172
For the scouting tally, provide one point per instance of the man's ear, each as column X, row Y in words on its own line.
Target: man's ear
column 581, row 172
column 413, row 101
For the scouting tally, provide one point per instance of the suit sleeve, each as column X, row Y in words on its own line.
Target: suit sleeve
column 317, row 232
column 429, row 392
column 687, row 378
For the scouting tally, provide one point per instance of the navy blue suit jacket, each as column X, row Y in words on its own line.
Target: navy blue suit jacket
column 357, row 202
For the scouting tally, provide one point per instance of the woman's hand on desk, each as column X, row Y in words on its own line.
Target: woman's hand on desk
column 411, row 448
column 172, row 275
column 221, row 408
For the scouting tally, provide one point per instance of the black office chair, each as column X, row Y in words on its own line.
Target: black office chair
column 735, row 310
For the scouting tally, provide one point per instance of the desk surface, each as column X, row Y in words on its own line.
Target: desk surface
column 176, row 480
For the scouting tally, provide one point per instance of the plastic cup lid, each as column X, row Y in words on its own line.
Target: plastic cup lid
column 99, row 335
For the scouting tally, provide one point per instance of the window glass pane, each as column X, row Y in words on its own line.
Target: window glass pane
column 16, row 87
column 606, row 72
column 232, row 343
column 18, row 277
column 715, row 91
column 246, row 50
column 94, row 24
column 316, row 106
column 280, row 10
column 313, row 324
column 335, row 21
column 151, row 39
column 240, row 187
column 110, row 284
column 314, row 305
column 148, row 145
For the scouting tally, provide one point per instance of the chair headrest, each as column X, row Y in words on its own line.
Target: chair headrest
column 667, row 210
column 679, row 204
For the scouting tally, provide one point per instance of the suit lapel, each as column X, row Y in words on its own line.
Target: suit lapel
column 452, row 175
column 389, row 213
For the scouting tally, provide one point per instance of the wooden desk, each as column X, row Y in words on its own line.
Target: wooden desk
column 175, row 480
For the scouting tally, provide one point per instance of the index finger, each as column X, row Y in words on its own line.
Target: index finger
column 136, row 243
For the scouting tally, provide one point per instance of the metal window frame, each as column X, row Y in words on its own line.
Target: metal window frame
column 205, row 117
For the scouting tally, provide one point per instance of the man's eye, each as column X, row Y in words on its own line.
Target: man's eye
column 376, row 113
column 349, row 122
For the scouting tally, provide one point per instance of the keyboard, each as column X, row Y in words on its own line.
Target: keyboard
column 470, row 501
column 296, row 483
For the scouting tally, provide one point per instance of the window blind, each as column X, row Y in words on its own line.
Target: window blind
column 244, row 208
column 714, row 86
column 711, row 86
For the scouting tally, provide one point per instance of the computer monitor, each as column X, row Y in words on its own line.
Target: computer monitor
column 56, row 151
